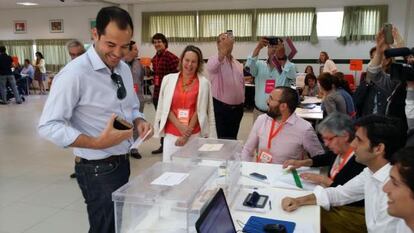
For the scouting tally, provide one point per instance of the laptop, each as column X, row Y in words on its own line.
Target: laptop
column 216, row 218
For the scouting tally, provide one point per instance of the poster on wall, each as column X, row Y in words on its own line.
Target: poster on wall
column 56, row 25
column 20, row 26
column 92, row 25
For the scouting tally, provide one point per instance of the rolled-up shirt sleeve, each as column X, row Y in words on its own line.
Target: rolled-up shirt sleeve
column 340, row 195
column 54, row 124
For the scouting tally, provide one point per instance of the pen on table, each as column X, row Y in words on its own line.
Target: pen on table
column 270, row 205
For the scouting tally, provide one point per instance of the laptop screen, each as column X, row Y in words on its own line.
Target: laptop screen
column 216, row 218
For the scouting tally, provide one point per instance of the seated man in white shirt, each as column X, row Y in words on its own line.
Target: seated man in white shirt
column 280, row 134
column 376, row 139
column 400, row 189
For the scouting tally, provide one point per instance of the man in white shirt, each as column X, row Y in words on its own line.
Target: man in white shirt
column 376, row 139
column 400, row 189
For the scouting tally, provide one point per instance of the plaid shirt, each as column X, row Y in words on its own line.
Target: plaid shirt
column 163, row 64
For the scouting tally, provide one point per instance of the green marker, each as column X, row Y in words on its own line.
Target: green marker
column 297, row 178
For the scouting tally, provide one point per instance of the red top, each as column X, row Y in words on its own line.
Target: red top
column 184, row 100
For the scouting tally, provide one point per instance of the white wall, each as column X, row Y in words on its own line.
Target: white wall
column 75, row 22
column 76, row 25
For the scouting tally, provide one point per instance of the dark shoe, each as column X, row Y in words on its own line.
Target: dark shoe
column 20, row 102
column 157, row 151
column 73, row 175
column 135, row 154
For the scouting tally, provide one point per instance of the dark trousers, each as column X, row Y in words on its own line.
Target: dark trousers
column 155, row 102
column 97, row 182
column 228, row 118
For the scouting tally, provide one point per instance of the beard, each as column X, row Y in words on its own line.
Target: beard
column 273, row 113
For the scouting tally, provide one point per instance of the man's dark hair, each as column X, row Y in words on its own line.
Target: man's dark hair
column 326, row 80
column 26, row 61
column 113, row 14
column 385, row 130
column 404, row 160
column 160, row 36
column 2, row 49
column 290, row 97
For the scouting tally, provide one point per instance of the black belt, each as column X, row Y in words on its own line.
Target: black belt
column 112, row 158
column 228, row 105
column 258, row 109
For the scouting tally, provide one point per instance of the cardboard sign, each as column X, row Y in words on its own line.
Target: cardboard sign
column 355, row 65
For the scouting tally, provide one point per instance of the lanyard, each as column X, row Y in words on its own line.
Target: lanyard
column 273, row 134
column 336, row 168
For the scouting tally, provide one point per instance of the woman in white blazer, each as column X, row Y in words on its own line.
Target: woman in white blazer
column 185, row 105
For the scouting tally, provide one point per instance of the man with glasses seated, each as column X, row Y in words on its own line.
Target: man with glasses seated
column 81, row 109
column 280, row 134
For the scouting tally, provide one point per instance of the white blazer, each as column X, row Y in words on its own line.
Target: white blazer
column 205, row 109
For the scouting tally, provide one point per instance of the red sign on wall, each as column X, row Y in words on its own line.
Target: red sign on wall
column 355, row 65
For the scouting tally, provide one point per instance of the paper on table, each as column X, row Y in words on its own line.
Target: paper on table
column 170, row 178
column 140, row 140
column 285, row 179
column 211, row 147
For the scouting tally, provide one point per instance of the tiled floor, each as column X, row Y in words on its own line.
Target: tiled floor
column 36, row 193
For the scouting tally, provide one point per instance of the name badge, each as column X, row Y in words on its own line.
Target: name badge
column 184, row 116
column 264, row 157
column 157, row 80
column 270, row 85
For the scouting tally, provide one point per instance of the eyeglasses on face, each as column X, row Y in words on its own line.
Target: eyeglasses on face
column 121, row 91
column 329, row 139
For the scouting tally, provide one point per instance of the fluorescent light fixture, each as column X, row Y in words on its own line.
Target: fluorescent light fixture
column 27, row 3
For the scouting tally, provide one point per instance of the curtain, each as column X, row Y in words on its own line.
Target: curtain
column 212, row 23
column 55, row 53
column 362, row 22
column 176, row 26
column 23, row 49
column 296, row 23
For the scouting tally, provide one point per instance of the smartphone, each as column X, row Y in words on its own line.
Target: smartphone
column 389, row 39
column 230, row 33
column 258, row 176
column 122, row 124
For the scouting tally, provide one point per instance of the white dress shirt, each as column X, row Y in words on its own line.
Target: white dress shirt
column 402, row 227
column 367, row 186
column 82, row 100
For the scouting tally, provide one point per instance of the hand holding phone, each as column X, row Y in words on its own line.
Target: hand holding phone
column 389, row 38
column 121, row 124
column 230, row 33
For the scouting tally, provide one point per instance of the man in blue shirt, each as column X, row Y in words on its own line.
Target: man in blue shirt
column 276, row 71
column 86, row 96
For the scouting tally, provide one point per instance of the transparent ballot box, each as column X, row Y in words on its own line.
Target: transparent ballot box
column 166, row 197
column 221, row 153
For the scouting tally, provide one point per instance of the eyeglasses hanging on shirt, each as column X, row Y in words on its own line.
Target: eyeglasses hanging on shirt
column 121, row 91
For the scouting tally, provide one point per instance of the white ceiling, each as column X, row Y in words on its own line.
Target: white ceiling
column 11, row 4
